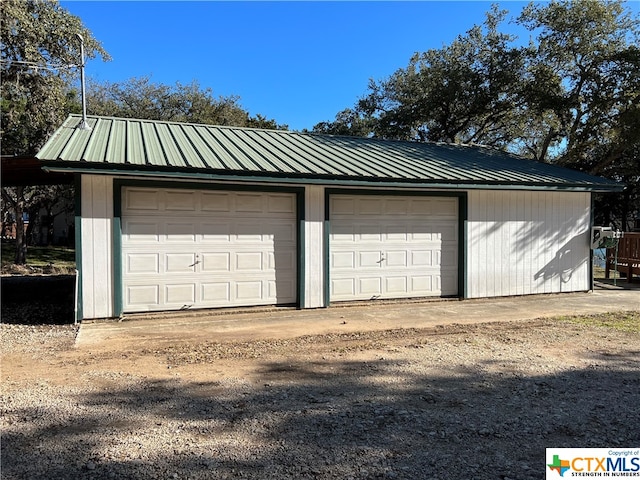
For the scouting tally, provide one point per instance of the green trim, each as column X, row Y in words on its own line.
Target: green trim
column 591, row 254
column 119, row 184
column 301, row 270
column 77, row 225
column 462, row 222
column 343, row 181
column 325, row 249
column 118, row 285
column 463, row 218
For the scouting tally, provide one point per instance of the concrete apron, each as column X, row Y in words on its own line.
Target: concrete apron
column 280, row 323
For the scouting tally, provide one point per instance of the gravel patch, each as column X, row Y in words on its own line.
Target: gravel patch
column 457, row 402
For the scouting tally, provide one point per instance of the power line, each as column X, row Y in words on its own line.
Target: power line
column 39, row 65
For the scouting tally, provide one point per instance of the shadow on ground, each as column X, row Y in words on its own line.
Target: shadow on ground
column 330, row 419
column 38, row 299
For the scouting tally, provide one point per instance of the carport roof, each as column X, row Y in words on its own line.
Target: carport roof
column 164, row 149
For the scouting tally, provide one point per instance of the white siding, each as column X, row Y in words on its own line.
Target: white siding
column 97, row 246
column 314, row 247
column 527, row 242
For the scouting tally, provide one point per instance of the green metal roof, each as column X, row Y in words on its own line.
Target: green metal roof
column 145, row 147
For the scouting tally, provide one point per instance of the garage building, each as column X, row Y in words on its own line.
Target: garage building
column 174, row 216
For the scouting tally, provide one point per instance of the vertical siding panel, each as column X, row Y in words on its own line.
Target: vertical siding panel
column 523, row 240
column 473, row 265
column 103, row 206
column 555, row 272
column 542, row 241
column 511, row 255
column 539, row 242
column 528, row 242
column 528, row 239
column 86, row 244
column 97, row 274
column 505, row 251
column 314, row 247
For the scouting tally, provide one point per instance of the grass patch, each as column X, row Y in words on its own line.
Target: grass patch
column 622, row 321
column 39, row 258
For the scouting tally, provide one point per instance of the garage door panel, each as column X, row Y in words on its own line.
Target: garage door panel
column 249, row 261
column 215, row 202
column 215, row 232
column 180, row 262
column 281, row 204
column 343, row 260
column 422, row 258
column 216, row 293
column 396, row 259
column 343, row 288
column 249, row 203
column 216, row 262
column 137, row 263
column 142, row 295
column 282, row 261
column 180, row 232
column 369, row 259
column 208, row 249
column 249, row 290
column 422, row 283
column 370, row 286
column 183, row 294
column 145, row 200
column 396, row 284
column 138, row 231
column 180, row 201
column 397, row 252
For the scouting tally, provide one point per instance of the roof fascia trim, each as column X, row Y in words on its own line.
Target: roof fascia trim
column 327, row 181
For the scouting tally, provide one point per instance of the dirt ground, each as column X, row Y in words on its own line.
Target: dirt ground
column 479, row 401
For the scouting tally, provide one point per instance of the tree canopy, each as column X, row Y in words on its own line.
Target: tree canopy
column 40, row 55
column 570, row 96
column 142, row 98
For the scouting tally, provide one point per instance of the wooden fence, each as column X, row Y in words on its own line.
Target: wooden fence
column 628, row 257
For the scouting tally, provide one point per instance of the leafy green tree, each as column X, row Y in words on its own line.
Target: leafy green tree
column 349, row 122
column 584, row 91
column 570, row 96
column 40, row 53
column 582, row 74
column 464, row 92
column 144, row 99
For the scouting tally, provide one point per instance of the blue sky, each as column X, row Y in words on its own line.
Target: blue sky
column 299, row 63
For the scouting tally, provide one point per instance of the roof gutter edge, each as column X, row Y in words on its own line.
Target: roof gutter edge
column 595, row 188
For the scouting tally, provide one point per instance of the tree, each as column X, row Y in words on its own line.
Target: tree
column 141, row 98
column 349, row 122
column 40, row 52
column 464, row 93
column 570, row 96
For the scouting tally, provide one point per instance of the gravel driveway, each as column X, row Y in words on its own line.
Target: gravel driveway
column 455, row 402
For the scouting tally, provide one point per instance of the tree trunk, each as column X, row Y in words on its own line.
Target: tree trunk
column 21, row 239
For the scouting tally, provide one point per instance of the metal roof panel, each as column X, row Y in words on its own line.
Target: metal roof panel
column 191, row 149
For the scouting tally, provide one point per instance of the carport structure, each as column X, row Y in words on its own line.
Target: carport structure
column 177, row 216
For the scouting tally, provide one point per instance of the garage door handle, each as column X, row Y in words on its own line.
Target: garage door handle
column 196, row 262
column 382, row 259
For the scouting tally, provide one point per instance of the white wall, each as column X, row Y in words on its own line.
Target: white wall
column 97, row 246
column 519, row 242
column 527, row 242
column 314, row 247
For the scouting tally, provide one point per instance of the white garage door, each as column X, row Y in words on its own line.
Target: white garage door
column 194, row 249
column 393, row 247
